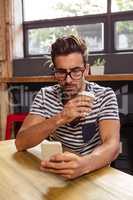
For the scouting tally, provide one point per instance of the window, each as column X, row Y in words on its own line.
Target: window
column 124, row 35
column 51, row 9
column 122, row 5
column 41, row 39
column 105, row 25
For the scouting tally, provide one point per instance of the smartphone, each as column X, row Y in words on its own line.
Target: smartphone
column 50, row 148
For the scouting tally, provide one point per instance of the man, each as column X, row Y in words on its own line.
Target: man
column 88, row 129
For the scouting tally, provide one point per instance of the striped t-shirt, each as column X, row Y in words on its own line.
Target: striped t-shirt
column 83, row 137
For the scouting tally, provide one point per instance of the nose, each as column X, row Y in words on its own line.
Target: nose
column 68, row 79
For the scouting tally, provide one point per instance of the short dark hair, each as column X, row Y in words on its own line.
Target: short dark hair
column 67, row 45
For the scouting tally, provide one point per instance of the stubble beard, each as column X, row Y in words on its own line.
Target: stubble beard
column 70, row 91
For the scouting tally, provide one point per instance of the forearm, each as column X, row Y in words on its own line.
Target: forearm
column 102, row 156
column 33, row 135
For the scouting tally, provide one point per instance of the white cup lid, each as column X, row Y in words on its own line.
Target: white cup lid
column 86, row 93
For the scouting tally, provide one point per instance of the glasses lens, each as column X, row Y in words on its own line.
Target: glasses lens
column 60, row 75
column 76, row 74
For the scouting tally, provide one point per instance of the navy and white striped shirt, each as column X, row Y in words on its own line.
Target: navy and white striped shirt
column 83, row 137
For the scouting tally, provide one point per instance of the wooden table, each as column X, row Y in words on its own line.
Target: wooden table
column 21, row 179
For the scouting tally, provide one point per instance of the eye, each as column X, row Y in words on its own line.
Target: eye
column 76, row 69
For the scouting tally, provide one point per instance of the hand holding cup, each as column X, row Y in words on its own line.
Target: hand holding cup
column 88, row 97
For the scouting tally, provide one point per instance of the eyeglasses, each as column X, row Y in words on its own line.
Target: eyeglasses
column 75, row 73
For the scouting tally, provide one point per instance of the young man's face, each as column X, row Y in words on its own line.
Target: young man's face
column 74, row 82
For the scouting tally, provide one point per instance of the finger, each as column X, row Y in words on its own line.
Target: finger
column 61, row 172
column 61, row 165
column 84, row 104
column 57, row 165
column 67, row 176
column 66, row 157
column 82, row 110
column 84, row 98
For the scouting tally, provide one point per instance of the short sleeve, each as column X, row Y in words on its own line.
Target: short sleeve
column 109, row 106
column 38, row 105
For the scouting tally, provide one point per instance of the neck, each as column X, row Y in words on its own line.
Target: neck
column 83, row 87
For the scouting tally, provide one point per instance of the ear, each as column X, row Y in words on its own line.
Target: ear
column 87, row 70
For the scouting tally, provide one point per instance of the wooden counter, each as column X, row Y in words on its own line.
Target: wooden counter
column 21, row 179
column 37, row 79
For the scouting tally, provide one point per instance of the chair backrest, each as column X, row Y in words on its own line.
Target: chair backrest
column 11, row 118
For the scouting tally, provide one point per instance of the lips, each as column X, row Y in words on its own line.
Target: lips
column 68, row 88
column 69, row 94
column 69, row 91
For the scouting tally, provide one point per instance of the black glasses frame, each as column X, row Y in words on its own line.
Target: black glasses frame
column 69, row 73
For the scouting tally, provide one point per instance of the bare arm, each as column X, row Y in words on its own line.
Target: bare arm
column 109, row 150
column 36, row 128
column 74, row 166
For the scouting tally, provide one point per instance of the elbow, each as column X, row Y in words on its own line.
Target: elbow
column 17, row 144
column 116, row 151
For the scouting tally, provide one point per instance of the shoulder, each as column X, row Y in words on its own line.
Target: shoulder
column 54, row 89
column 98, row 90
